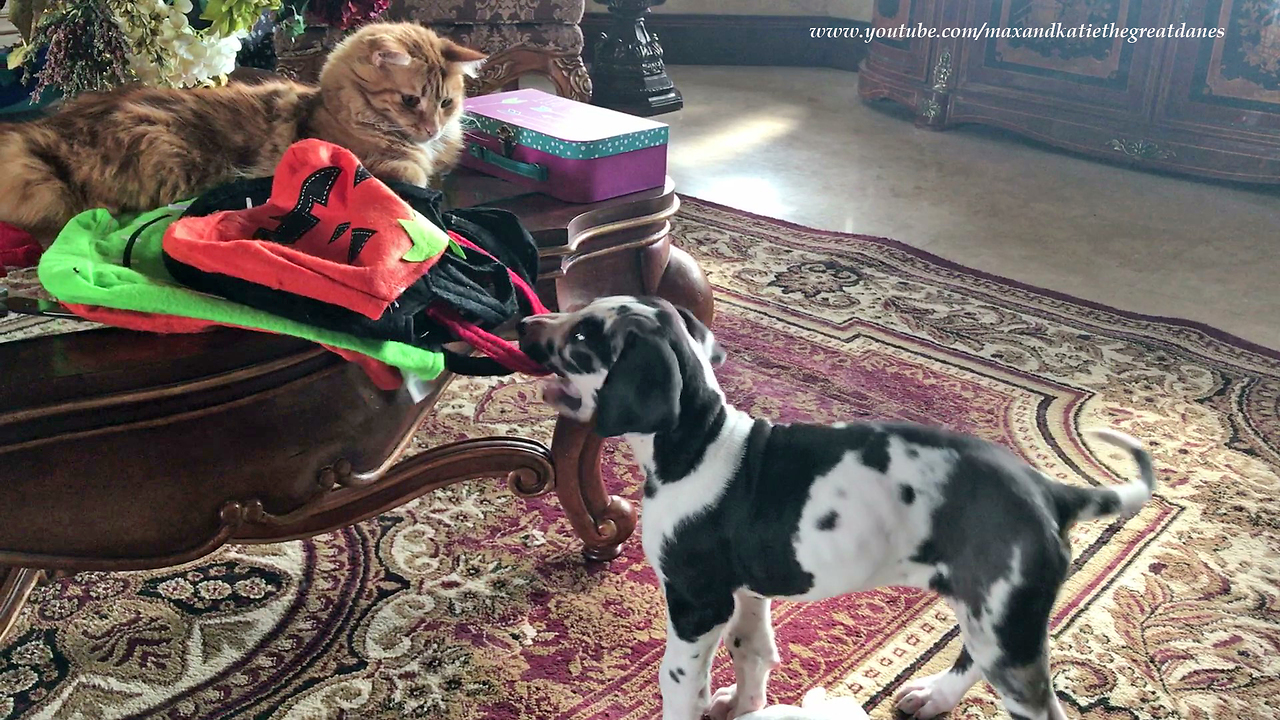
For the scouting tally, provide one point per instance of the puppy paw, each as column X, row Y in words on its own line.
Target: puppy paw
column 727, row 703
column 723, row 703
column 928, row 697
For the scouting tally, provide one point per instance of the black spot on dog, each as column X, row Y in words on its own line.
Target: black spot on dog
column 692, row 617
column 907, row 493
column 681, row 670
column 650, row 486
column 828, row 521
column 963, row 662
column 539, row 352
column 913, row 453
column 674, row 677
column 1108, row 503
column 940, row 584
column 570, row 402
column 1023, row 631
column 737, row 642
column 594, row 339
column 927, row 553
column 581, row 361
column 875, row 454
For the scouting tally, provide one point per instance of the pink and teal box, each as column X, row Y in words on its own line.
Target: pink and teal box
column 566, row 149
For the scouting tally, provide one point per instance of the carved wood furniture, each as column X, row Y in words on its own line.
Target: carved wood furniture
column 627, row 68
column 123, row 450
column 520, row 36
column 1206, row 106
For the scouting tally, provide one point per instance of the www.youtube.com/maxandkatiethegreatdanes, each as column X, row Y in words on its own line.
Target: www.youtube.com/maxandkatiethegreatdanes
column 1055, row 30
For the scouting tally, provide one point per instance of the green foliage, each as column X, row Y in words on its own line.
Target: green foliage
column 232, row 16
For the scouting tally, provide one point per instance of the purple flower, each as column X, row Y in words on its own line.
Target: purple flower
column 85, row 49
column 345, row 14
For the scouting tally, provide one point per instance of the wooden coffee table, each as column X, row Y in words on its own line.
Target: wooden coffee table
column 122, row 450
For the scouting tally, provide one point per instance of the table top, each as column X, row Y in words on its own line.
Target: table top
column 73, row 357
column 546, row 218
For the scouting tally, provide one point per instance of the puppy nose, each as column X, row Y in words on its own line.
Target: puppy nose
column 530, row 324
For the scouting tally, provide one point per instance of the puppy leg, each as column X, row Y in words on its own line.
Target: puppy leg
column 1027, row 691
column 1013, row 653
column 930, row 696
column 693, row 630
column 754, row 654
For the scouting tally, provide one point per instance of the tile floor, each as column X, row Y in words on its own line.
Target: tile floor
column 798, row 144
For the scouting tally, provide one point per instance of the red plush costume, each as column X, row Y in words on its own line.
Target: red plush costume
column 17, row 248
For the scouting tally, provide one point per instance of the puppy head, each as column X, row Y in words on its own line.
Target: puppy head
column 623, row 360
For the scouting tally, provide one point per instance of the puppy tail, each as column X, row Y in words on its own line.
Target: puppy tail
column 1121, row 499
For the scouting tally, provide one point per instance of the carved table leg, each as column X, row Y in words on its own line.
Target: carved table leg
column 15, row 585
column 603, row 521
column 683, row 283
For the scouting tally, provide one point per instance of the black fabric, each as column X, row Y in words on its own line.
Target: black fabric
column 479, row 288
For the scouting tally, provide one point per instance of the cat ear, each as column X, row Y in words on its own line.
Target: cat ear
column 467, row 61
column 383, row 57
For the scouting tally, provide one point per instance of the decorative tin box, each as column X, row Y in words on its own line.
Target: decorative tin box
column 566, row 149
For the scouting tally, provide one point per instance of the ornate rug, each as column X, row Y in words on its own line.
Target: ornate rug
column 471, row 603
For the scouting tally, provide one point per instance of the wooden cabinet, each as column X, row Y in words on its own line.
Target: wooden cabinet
column 1207, row 106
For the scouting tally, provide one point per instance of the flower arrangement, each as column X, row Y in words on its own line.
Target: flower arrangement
column 94, row 45
column 296, row 15
column 98, row 44
column 85, row 50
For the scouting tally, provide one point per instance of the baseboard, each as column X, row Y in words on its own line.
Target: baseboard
column 689, row 39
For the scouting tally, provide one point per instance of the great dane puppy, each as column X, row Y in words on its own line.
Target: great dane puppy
column 740, row 510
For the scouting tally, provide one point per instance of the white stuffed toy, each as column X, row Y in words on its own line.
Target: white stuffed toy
column 815, row 706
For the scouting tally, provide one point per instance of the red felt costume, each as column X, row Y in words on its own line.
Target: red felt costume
column 304, row 239
column 17, row 248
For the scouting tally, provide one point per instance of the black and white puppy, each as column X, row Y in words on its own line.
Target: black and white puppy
column 739, row 510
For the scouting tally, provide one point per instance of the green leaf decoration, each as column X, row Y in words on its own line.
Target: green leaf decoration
column 428, row 240
column 17, row 55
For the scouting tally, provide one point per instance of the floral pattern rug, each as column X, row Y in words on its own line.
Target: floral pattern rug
column 471, row 603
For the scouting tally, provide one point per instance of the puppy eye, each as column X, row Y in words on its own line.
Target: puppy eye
column 410, row 100
column 579, row 337
column 446, row 103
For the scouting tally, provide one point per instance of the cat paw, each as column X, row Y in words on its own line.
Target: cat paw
column 930, row 696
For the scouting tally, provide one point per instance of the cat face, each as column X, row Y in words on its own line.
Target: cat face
column 401, row 79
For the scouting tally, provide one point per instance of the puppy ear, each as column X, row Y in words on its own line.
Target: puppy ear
column 703, row 336
column 642, row 391
column 466, row 60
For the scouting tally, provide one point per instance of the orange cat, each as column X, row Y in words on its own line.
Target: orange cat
column 391, row 93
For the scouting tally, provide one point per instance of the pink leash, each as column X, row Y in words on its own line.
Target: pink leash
column 504, row 352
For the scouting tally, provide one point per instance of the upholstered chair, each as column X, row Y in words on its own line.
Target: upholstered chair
column 520, row 37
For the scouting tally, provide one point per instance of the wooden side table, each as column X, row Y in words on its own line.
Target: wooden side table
column 122, row 450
